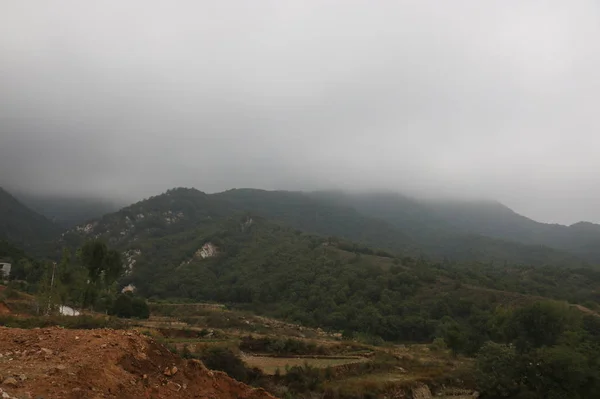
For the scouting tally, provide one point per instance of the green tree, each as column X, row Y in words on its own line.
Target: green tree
column 556, row 373
column 126, row 305
column 102, row 263
column 104, row 267
column 497, row 370
column 123, row 306
column 537, row 325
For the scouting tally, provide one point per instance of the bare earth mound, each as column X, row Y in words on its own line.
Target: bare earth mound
column 59, row 363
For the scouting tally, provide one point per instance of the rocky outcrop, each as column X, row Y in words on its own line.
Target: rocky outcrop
column 208, row 250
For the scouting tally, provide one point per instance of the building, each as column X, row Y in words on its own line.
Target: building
column 5, row 269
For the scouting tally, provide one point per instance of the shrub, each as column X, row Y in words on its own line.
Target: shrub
column 128, row 306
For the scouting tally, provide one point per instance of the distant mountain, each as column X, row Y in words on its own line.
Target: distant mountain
column 439, row 223
column 176, row 211
column 22, row 226
column 495, row 220
column 306, row 212
column 391, row 222
column 68, row 211
column 245, row 247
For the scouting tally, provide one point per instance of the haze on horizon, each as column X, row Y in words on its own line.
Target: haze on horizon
column 125, row 99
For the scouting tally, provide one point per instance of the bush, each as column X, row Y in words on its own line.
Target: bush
column 128, row 306
column 497, row 371
column 223, row 359
column 281, row 346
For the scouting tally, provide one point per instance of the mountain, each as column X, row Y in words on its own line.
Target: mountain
column 22, row 226
column 405, row 227
column 188, row 245
column 176, row 211
column 496, row 220
column 67, row 211
column 313, row 214
column 392, row 222
column 454, row 227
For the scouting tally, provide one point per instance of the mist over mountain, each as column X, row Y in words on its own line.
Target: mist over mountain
column 68, row 211
column 341, row 199
column 444, row 101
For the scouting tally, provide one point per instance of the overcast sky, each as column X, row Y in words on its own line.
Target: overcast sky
column 495, row 99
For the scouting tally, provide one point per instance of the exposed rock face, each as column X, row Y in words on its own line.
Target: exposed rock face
column 208, row 250
column 128, row 288
column 131, row 259
column 68, row 364
column 247, row 224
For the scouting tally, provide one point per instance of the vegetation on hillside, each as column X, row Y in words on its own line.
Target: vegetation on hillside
column 87, row 280
column 21, row 226
column 394, row 223
column 238, row 248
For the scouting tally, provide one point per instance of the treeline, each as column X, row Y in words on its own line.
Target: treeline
column 543, row 350
column 86, row 280
column 319, row 282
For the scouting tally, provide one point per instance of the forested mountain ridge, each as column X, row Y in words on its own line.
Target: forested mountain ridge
column 205, row 249
column 423, row 232
column 21, row 225
column 488, row 218
column 460, row 231
column 177, row 210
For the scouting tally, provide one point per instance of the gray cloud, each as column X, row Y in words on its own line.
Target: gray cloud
column 488, row 99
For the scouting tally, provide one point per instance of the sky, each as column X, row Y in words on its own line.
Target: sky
column 475, row 99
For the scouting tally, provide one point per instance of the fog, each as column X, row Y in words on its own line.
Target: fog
column 125, row 99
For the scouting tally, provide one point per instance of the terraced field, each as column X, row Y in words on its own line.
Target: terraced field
column 269, row 365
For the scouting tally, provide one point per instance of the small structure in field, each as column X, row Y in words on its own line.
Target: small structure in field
column 5, row 269
column 68, row 311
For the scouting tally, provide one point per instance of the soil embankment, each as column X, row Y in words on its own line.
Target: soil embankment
column 61, row 363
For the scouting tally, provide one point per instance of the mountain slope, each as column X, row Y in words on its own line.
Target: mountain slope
column 316, row 215
column 498, row 221
column 178, row 210
column 22, row 226
column 409, row 228
column 188, row 245
column 391, row 222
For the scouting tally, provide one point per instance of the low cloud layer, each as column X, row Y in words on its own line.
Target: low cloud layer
column 126, row 99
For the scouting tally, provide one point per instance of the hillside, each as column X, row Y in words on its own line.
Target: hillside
column 315, row 215
column 394, row 223
column 22, row 226
column 498, row 221
column 185, row 244
column 185, row 247
column 459, row 229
